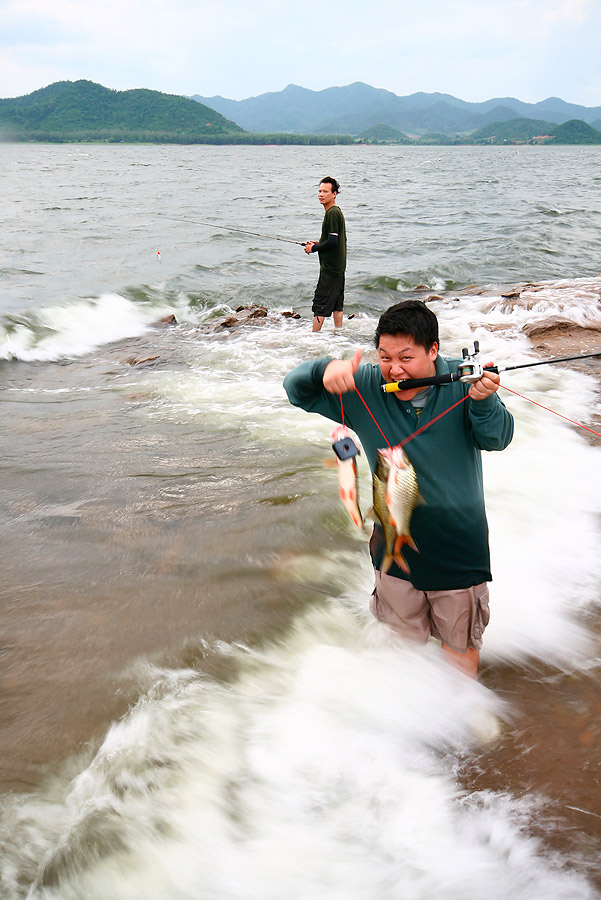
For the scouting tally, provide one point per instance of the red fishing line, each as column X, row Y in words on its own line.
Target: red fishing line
column 431, row 422
column 415, row 433
column 572, row 421
column 372, row 415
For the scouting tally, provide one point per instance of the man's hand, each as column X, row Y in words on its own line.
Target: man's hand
column 339, row 376
column 485, row 386
column 309, row 246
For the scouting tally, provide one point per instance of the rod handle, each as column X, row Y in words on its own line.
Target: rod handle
column 411, row 384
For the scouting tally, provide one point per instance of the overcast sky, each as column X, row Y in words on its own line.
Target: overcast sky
column 473, row 49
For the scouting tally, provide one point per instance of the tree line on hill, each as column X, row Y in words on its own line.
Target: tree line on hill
column 85, row 111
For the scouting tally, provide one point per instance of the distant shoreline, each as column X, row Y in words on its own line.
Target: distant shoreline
column 351, row 142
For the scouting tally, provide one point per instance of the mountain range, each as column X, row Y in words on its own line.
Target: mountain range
column 85, row 111
column 357, row 107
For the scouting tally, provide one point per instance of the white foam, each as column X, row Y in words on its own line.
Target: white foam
column 74, row 329
column 322, row 772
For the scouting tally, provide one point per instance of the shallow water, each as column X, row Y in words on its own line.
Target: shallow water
column 174, row 552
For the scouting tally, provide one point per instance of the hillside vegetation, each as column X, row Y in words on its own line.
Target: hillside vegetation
column 519, row 131
column 83, row 110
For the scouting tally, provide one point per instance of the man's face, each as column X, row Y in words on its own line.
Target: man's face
column 400, row 358
column 326, row 195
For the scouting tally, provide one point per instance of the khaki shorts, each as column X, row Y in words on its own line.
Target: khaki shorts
column 458, row 618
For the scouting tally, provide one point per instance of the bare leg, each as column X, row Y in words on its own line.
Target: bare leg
column 467, row 662
column 337, row 318
column 317, row 323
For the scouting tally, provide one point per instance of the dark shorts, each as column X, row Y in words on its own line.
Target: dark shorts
column 456, row 617
column 329, row 294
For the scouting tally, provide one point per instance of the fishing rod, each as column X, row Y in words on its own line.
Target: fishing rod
column 271, row 237
column 470, row 370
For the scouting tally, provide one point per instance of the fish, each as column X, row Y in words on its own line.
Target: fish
column 395, row 497
column 402, row 496
column 348, row 477
column 379, row 511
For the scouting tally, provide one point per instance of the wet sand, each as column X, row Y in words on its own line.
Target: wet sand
column 552, row 748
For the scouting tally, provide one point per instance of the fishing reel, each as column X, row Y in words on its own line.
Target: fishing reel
column 470, row 370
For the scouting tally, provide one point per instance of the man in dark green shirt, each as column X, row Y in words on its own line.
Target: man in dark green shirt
column 331, row 247
column 445, row 593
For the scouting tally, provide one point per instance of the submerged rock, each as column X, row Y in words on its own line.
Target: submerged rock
column 138, row 360
column 243, row 315
column 248, row 315
column 167, row 320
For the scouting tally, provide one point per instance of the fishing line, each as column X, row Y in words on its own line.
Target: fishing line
column 415, row 433
column 431, row 422
column 372, row 415
column 572, row 421
column 214, row 225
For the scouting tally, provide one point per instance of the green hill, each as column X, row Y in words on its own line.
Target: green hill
column 535, row 131
column 83, row 110
column 575, row 132
column 512, row 131
column 384, row 134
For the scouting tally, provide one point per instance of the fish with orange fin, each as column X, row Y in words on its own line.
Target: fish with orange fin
column 346, row 452
column 395, row 498
column 402, row 496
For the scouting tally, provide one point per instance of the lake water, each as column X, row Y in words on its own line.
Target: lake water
column 195, row 703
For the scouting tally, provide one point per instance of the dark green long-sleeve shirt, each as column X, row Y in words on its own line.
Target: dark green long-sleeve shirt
column 449, row 527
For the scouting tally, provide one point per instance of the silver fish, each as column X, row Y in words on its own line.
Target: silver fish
column 402, row 496
column 380, row 512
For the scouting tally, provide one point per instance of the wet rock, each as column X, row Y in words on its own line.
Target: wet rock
column 433, row 297
column 556, row 325
column 167, row 320
column 512, row 295
column 243, row 315
column 138, row 360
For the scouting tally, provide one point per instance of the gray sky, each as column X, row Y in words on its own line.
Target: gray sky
column 473, row 49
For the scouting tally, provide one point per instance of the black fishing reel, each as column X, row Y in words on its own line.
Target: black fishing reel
column 470, row 370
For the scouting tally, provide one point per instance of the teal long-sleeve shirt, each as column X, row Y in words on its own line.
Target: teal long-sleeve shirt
column 449, row 527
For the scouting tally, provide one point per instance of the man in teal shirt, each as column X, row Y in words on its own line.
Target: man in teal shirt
column 331, row 247
column 445, row 593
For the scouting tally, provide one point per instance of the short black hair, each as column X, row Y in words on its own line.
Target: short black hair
column 410, row 317
column 329, row 180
